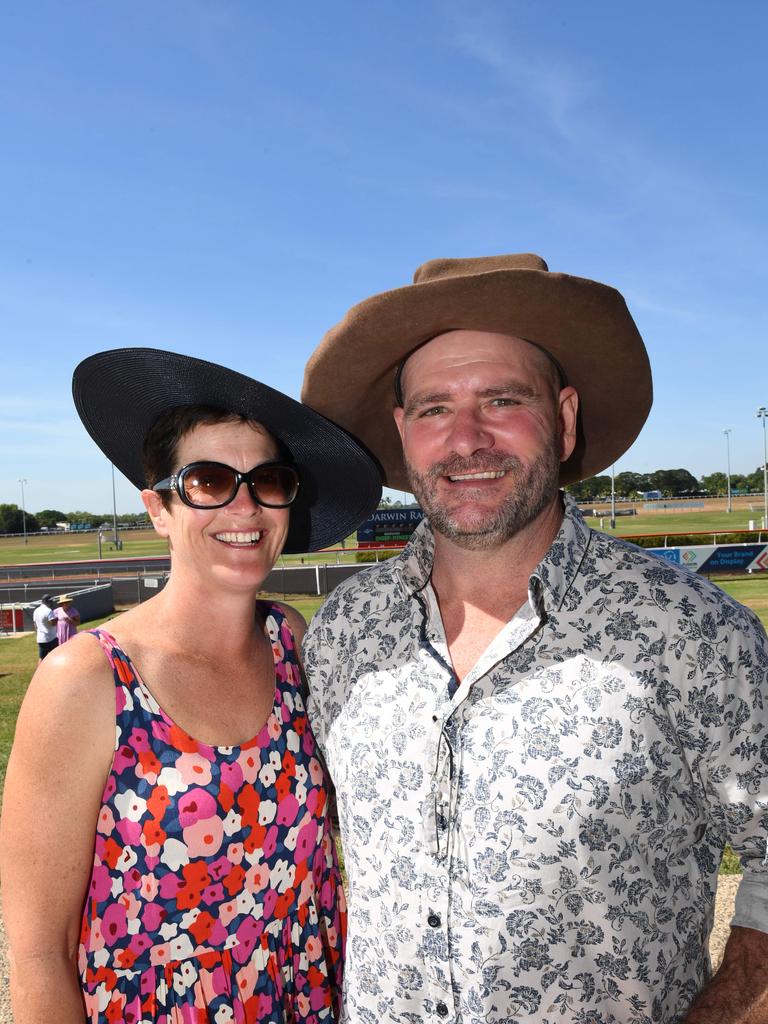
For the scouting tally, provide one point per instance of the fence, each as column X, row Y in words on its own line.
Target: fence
column 16, row 612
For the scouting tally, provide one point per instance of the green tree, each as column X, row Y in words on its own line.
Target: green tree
column 673, row 481
column 78, row 518
column 49, row 517
column 755, row 481
column 590, row 489
column 629, row 483
column 12, row 520
column 716, row 483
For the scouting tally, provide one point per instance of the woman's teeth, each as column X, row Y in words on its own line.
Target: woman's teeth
column 252, row 537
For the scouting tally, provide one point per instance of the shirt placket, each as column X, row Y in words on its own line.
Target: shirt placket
column 441, row 821
column 439, row 1001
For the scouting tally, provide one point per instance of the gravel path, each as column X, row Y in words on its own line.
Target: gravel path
column 726, row 893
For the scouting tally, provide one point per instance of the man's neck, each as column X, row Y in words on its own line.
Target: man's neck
column 479, row 592
column 489, row 578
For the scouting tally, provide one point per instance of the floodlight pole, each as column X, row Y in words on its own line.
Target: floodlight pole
column 114, row 507
column 23, row 513
column 727, row 433
column 762, row 414
column 613, row 496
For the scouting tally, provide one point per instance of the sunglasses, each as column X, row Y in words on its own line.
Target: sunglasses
column 213, row 485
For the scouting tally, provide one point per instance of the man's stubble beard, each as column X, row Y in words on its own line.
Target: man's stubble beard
column 535, row 488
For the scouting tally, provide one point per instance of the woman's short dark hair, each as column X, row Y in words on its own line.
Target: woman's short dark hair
column 159, row 451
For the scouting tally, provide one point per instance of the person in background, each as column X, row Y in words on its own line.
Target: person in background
column 44, row 618
column 167, row 853
column 552, row 732
column 67, row 619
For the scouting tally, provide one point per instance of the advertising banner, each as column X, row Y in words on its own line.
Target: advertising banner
column 388, row 528
column 717, row 557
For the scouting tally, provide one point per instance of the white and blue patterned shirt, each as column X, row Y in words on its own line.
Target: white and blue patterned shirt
column 541, row 844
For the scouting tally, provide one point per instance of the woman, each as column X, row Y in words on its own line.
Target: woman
column 166, row 850
column 67, row 619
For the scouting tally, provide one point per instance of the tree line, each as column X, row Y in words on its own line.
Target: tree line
column 13, row 521
column 671, row 483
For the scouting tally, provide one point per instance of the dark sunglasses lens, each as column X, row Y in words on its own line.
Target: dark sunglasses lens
column 275, row 485
column 208, row 484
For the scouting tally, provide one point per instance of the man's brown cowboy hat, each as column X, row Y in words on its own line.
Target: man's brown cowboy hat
column 585, row 326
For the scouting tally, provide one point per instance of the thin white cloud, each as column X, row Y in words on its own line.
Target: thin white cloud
column 558, row 89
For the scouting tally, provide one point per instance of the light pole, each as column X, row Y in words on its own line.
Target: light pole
column 23, row 513
column 613, row 496
column 762, row 414
column 727, row 433
column 114, row 507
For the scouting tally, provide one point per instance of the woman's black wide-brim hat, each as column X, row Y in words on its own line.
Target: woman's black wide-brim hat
column 120, row 393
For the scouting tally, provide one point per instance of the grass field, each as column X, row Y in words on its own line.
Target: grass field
column 62, row 547
column 700, row 521
column 137, row 543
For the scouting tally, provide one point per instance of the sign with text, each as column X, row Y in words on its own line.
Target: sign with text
column 717, row 557
column 389, row 528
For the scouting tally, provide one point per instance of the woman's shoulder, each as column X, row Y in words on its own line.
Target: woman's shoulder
column 70, row 694
column 74, row 667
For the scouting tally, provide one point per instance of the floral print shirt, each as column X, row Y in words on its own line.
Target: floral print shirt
column 541, row 842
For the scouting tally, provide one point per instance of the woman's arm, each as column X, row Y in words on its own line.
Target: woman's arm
column 56, row 776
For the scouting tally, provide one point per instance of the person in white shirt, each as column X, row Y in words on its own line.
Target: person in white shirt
column 44, row 618
column 541, row 736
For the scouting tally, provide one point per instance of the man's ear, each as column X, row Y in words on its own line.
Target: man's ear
column 568, row 413
column 156, row 511
column 399, row 413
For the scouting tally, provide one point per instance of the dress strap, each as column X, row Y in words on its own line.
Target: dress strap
column 287, row 666
column 122, row 666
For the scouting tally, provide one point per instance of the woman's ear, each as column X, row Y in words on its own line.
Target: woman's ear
column 156, row 511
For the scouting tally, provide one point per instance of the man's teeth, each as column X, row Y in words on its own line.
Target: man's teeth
column 479, row 476
column 252, row 537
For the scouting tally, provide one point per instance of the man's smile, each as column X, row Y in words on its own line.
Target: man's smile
column 483, row 475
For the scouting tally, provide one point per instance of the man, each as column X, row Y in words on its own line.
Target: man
column 541, row 737
column 44, row 618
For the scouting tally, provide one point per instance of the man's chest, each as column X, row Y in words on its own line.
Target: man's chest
column 571, row 755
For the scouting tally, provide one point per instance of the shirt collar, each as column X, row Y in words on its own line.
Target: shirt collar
column 561, row 564
column 549, row 582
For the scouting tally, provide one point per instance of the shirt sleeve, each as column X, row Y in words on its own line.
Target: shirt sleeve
column 326, row 656
column 315, row 669
column 730, row 704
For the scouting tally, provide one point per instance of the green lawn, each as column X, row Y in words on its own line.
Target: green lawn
column 138, row 543
column 64, row 547
column 670, row 522
column 18, row 658
column 751, row 591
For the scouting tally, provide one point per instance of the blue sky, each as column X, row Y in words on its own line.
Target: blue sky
column 226, row 177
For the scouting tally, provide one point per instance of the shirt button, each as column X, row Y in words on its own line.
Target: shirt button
column 433, row 920
column 442, row 1009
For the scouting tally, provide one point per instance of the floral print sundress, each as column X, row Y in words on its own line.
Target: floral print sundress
column 215, row 894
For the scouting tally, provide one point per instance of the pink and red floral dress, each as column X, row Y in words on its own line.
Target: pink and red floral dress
column 215, row 894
